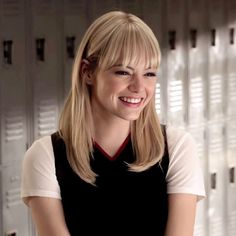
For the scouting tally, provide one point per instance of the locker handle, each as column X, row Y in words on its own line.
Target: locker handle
column 40, row 49
column 193, row 38
column 213, row 181
column 7, row 51
column 70, row 47
column 231, row 36
column 232, row 174
column 172, row 39
column 213, row 37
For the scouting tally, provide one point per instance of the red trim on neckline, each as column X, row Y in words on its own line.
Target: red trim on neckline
column 121, row 148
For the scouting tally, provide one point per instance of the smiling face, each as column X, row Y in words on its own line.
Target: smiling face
column 122, row 91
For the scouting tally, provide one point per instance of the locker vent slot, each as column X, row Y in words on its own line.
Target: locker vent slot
column 172, row 39
column 215, row 89
column 216, row 144
column 216, row 226
column 13, row 196
column 12, row 7
column 198, row 230
column 232, row 174
column 175, row 94
column 158, row 98
column 196, row 92
column 14, row 125
column 232, row 87
column 232, row 139
column 47, row 117
column 231, row 223
column 200, row 149
column 213, row 37
column 231, row 36
column 193, row 38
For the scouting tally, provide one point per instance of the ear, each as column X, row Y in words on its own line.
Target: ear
column 86, row 71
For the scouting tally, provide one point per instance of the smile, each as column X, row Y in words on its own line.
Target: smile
column 131, row 100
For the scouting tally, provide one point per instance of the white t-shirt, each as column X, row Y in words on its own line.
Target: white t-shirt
column 184, row 174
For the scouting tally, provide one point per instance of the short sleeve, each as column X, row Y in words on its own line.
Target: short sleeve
column 38, row 171
column 184, row 173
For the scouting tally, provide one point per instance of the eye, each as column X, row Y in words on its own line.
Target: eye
column 121, row 72
column 150, row 74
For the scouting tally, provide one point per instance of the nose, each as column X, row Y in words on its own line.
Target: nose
column 136, row 84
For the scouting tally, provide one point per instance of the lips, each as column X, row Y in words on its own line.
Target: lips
column 131, row 100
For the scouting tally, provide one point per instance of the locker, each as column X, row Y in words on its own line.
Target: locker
column 176, row 68
column 152, row 15
column 76, row 20
column 197, row 62
column 216, row 59
column 15, row 215
column 97, row 8
column 201, row 221
column 231, row 58
column 12, row 83
column 231, row 172
column 46, row 71
column 132, row 6
column 217, row 180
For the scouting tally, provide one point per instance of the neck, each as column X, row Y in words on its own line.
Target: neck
column 110, row 133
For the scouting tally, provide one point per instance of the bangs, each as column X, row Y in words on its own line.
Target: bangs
column 130, row 45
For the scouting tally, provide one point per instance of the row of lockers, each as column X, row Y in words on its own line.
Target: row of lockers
column 196, row 91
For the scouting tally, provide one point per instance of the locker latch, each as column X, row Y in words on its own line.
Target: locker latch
column 231, row 36
column 193, row 38
column 172, row 39
column 40, row 48
column 232, row 175
column 213, row 181
column 70, row 47
column 7, row 51
column 213, row 37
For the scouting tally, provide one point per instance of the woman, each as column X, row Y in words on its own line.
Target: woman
column 108, row 170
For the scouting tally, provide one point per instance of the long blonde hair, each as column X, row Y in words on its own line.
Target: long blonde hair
column 115, row 36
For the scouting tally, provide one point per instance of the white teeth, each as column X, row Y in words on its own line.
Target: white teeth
column 131, row 100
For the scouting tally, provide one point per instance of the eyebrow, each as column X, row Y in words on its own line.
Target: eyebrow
column 131, row 68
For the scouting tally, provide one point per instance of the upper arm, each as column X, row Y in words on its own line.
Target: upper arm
column 38, row 177
column 47, row 214
column 181, row 214
column 185, row 171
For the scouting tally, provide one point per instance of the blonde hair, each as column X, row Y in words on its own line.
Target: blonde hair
column 114, row 37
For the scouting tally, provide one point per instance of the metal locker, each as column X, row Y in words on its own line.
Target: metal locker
column 13, row 83
column 46, row 69
column 198, row 133
column 97, row 8
column 197, row 62
column 231, row 178
column 13, row 214
column 15, row 220
column 76, row 19
column 132, row 6
column 176, row 65
column 216, row 59
column 217, row 180
column 152, row 16
column 231, row 58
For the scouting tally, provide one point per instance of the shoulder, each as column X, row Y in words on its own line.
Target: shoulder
column 179, row 139
column 40, row 151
